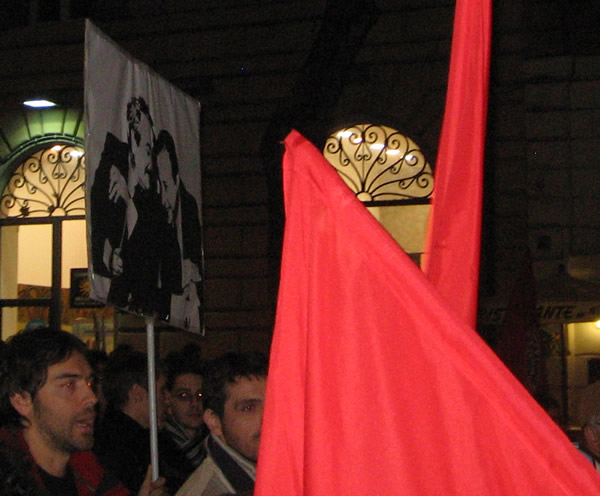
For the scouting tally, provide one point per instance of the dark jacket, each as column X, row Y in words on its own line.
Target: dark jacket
column 123, row 447
column 90, row 478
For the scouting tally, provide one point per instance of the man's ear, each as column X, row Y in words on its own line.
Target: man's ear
column 137, row 393
column 213, row 422
column 168, row 397
column 23, row 404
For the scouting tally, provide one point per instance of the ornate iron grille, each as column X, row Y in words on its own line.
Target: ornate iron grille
column 50, row 183
column 380, row 165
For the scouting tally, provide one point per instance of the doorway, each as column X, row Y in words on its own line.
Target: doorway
column 43, row 249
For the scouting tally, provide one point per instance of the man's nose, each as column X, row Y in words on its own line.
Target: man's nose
column 90, row 397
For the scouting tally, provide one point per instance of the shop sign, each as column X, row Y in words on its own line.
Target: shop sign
column 550, row 312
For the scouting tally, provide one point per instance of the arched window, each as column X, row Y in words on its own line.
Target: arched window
column 380, row 164
column 50, row 183
column 43, row 249
column 389, row 173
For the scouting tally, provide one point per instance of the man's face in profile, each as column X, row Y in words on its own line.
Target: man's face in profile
column 161, row 404
column 167, row 184
column 141, row 141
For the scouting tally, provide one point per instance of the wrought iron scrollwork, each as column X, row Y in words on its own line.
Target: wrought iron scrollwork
column 49, row 183
column 380, row 164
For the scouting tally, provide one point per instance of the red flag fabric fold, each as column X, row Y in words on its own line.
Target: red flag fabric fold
column 451, row 259
column 375, row 386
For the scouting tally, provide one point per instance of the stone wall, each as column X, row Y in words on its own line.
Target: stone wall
column 244, row 59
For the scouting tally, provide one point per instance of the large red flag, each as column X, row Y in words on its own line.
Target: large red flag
column 451, row 259
column 375, row 386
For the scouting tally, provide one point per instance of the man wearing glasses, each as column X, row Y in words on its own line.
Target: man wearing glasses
column 184, row 424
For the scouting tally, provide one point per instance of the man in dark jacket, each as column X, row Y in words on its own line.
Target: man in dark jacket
column 123, row 436
column 47, row 413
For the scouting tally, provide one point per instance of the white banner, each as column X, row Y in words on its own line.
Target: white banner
column 143, row 188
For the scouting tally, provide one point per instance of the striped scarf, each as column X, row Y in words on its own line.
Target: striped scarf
column 193, row 448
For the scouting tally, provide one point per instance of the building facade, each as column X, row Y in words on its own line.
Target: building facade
column 260, row 68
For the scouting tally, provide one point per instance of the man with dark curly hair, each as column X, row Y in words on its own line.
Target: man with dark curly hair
column 47, row 412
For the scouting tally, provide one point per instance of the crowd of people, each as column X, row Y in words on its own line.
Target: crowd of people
column 77, row 422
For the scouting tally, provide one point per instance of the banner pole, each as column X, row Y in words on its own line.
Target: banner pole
column 152, row 396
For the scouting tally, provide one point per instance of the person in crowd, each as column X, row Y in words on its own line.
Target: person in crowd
column 233, row 393
column 47, row 409
column 590, row 446
column 98, row 360
column 123, row 434
column 589, row 416
column 185, row 423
